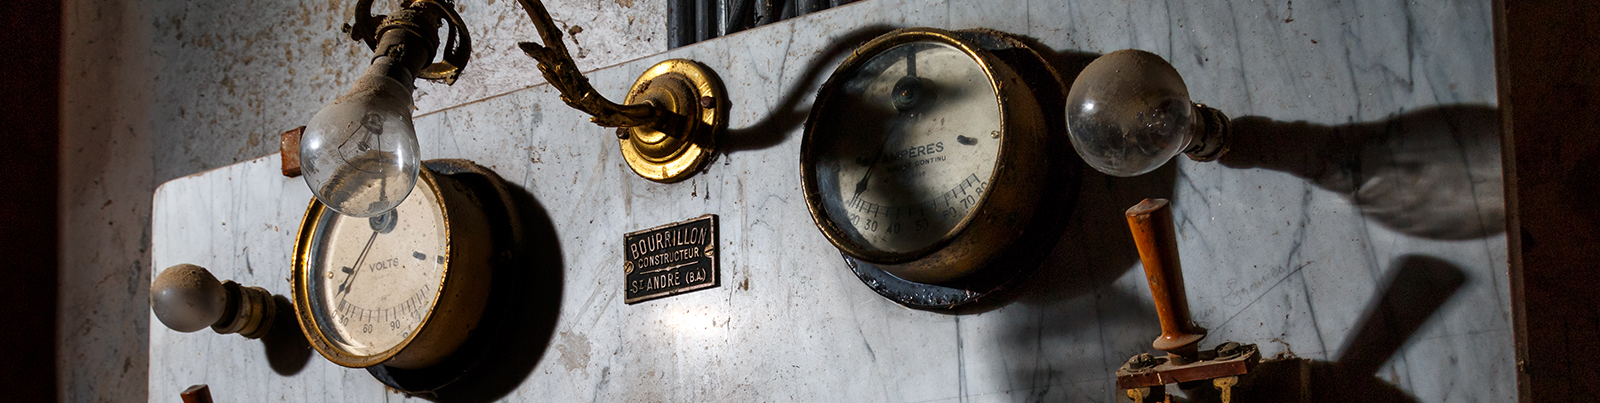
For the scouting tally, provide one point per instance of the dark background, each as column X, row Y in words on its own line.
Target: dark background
column 1549, row 82
column 30, row 42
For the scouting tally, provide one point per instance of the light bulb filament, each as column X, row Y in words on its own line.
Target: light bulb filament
column 372, row 124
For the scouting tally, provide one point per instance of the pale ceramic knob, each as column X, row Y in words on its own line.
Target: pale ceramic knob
column 187, row 298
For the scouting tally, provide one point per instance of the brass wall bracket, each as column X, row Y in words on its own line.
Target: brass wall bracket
column 670, row 119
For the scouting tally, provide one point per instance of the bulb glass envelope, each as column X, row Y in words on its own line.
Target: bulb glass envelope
column 1129, row 112
column 359, row 154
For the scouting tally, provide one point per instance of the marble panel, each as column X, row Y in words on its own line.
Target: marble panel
column 1365, row 139
column 227, row 78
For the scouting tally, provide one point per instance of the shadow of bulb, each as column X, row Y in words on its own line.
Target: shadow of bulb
column 359, row 153
column 1129, row 112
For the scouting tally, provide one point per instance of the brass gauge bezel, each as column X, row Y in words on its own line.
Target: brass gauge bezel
column 459, row 300
column 1004, row 208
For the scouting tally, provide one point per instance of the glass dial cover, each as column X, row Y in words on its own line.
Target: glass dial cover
column 906, row 146
column 373, row 281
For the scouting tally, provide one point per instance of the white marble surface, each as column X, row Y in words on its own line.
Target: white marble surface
column 229, row 78
column 153, row 90
column 1286, row 254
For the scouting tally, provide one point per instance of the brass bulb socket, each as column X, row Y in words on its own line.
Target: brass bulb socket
column 252, row 314
column 1211, row 140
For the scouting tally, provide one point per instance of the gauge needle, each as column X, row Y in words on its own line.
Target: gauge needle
column 908, row 96
column 346, row 285
column 899, row 125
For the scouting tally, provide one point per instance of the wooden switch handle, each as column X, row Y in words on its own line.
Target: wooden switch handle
column 197, row 394
column 1153, row 233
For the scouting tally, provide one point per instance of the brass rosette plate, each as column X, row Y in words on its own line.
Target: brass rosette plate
column 685, row 88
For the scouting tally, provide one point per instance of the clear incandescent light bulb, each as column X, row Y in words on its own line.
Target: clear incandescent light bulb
column 359, row 153
column 1129, row 112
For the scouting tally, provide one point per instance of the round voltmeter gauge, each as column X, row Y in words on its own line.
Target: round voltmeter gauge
column 927, row 154
column 402, row 288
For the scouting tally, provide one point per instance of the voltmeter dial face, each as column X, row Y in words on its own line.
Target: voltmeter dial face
column 375, row 279
column 402, row 288
column 906, row 146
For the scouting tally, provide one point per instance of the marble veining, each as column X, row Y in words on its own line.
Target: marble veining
column 1366, row 140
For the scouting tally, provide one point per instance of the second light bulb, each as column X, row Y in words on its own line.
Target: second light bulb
column 1129, row 112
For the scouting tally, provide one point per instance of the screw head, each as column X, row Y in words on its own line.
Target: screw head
column 708, row 102
column 1228, row 350
column 1142, row 361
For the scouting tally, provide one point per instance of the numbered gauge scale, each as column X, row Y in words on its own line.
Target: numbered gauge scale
column 402, row 288
column 407, row 294
column 928, row 159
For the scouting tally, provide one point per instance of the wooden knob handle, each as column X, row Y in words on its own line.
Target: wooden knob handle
column 289, row 151
column 188, row 298
column 1151, row 223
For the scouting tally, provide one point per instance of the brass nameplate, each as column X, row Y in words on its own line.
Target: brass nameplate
column 671, row 259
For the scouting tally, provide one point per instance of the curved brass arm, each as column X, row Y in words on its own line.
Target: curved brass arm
column 558, row 68
column 669, row 119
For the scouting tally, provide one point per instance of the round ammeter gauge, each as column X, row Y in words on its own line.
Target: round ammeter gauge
column 926, row 153
column 403, row 288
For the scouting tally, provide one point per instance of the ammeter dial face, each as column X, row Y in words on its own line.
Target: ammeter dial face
column 906, row 146
column 373, row 281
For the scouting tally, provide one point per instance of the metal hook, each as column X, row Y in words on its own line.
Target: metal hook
column 458, row 45
column 457, row 49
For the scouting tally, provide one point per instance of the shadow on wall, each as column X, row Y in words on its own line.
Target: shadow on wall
column 1067, row 297
column 1419, row 286
column 787, row 115
column 286, row 347
column 1431, row 173
column 1095, row 248
column 519, row 323
column 1066, row 307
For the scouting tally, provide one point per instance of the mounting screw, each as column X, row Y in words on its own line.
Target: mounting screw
column 1142, row 361
column 1228, row 350
column 622, row 133
column 707, row 102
